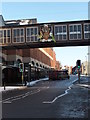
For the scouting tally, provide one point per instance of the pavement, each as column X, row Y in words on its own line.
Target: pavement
column 8, row 88
column 83, row 83
column 47, row 100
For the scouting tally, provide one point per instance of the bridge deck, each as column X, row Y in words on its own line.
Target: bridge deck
column 61, row 34
column 46, row 44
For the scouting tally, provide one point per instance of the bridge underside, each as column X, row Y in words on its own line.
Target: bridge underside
column 46, row 44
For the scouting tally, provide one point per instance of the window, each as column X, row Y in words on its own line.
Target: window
column 1, row 36
column 75, row 32
column 60, row 32
column 31, row 34
column 87, row 31
column 5, row 36
column 18, row 35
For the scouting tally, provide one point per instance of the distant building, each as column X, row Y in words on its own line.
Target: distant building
column 70, row 70
column 85, row 68
column 20, row 22
column 74, row 70
column 58, row 65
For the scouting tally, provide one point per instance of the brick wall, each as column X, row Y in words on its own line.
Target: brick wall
column 45, row 55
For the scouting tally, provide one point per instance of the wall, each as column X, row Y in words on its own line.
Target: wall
column 44, row 55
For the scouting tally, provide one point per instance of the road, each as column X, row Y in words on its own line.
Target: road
column 48, row 99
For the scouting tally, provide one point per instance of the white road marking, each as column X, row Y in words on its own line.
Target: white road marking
column 7, row 102
column 66, row 92
column 11, row 99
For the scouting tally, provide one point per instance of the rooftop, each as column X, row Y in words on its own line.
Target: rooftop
column 18, row 22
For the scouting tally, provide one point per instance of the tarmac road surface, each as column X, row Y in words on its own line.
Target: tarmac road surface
column 48, row 99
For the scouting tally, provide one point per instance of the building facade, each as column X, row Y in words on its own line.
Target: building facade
column 38, row 57
column 85, row 68
column 58, row 66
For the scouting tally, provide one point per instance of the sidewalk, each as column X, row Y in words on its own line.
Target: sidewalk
column 84, row 82
column 84, row 85
column 34, row 82
column 7, row 88
column 85, row 75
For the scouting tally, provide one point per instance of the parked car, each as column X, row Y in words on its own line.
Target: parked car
column 58, row 75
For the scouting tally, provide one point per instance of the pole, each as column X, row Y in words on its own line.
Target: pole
column 22, row 77
column 35, row 73
column 78, row 76
column 29, row 73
